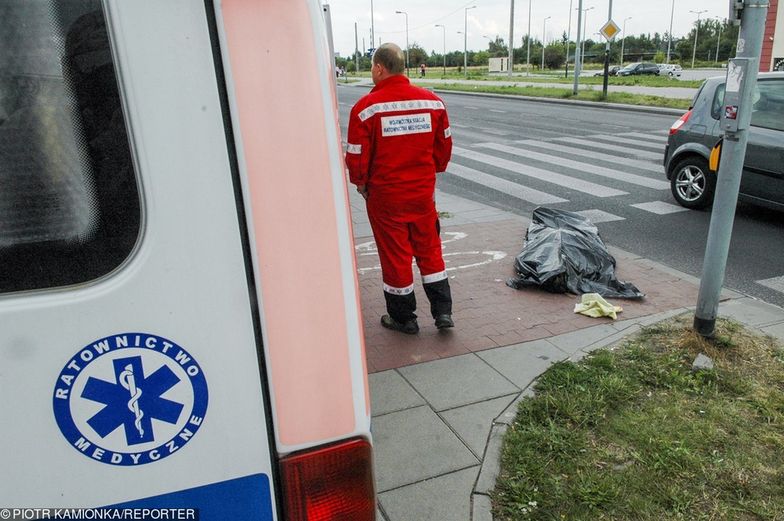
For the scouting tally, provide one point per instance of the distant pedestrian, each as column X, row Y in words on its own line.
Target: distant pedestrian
column 422, row 69
column 398, row 138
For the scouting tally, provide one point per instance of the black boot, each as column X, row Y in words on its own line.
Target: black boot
column 401, row 315
column 440, row 297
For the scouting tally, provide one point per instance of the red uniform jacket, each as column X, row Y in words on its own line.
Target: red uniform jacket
column 398, row 138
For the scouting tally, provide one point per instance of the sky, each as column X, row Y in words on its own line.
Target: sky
column 491, row 18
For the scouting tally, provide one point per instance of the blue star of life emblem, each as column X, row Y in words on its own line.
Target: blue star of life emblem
column 130, row 399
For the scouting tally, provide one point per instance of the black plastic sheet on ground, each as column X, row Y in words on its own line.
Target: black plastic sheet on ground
column 564, row 253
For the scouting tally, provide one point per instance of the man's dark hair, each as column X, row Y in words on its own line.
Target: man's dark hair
column 391, row 57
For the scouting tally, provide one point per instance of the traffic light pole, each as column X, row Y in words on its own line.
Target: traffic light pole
column 735, row 120
column 607, row 59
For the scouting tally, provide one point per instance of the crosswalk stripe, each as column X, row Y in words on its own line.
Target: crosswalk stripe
column 660, row 207
column 775, row 283
column 539, row 173
column 600, row 216
column 502, row 185
column 607, row 158
column 615, row 148
column 639, row 180
column 648, row 137
column 634, row 142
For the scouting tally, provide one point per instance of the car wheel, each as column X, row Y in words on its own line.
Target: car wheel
column 671, row 74
column 692, row 183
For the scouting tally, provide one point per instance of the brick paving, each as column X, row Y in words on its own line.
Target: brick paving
column 487, row 312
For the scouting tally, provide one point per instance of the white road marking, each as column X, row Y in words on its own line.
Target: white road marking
column 629, row 141
column 541, row 174
column 599, row 216
column 615, row 148
column 502, row 185
column 656, row 184
column 656, row 168
column 660, row 207
column 775, row 283
column 648, row 137
column 498, row 111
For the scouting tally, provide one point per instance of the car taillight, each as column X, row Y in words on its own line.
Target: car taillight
column 678, row 124
column 332, row 482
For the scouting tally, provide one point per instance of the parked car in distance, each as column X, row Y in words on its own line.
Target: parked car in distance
column 639, row 68
column 670, row 69
column 612, row 71
column 693, row 136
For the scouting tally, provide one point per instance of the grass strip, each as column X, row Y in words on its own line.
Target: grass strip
column 632, row 433
column 584, row 95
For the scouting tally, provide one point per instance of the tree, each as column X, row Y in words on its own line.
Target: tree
column 480, row 58
column 416, row 55
column 554, row 55
column 497, row 48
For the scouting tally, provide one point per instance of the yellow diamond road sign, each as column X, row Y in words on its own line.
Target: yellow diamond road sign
column 609, row 30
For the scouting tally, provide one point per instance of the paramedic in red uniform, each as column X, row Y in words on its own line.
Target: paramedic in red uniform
column 398, row 138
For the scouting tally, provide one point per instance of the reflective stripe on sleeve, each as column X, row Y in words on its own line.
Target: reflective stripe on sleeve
column 433, row 277
column 447, row 132
column 399, row 291
column 401, row 106
column 353, row 149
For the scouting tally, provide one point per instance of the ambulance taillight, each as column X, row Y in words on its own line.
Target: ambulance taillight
column 327, row 483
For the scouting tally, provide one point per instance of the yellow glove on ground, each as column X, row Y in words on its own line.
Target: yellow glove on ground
column 593, row 305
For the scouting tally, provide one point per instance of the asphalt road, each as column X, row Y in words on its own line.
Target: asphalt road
column 517, row 155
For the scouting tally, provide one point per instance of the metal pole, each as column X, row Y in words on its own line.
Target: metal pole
column 444, row 29
column 356, row 49
column 623, row 40
column 585, row 31
column 696, row 32
column 718, row 40
column 528, row 56
column 669, row 35
column 511, row 38
column 568, row 40
column 544, row 26
column 607, row 59
column 406, row 15
column 730, row 167
column 372, row 25
column 577, row 47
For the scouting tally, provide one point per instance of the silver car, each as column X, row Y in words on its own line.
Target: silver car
column 694, row 135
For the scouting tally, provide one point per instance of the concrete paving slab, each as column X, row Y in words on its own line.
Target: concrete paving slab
column 472, row 423
column 482, row 508
column 491, row 465
column 572, row 342
column 752, row 312
column 445, row 498
column 457, row 381
column 389, row 392
column 414, row 445
column 522, row 363
column 776, row 331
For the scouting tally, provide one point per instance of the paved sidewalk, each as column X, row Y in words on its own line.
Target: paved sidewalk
column 441, row 401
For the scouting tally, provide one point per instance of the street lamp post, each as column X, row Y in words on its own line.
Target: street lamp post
column 372, row 25
column 444, row 29
column 544, row 26
column 696, row 33
column 528, row 56
column 406, row 15
column 568, row 40
column 511, row 39
column 718, row 40
column 585, row 29
column 623, row 39
column 465, row 40
column 669, row 35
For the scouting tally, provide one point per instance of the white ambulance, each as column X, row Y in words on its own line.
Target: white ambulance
column 179, row 308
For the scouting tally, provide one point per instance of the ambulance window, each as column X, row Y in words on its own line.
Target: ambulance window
column 69, row 202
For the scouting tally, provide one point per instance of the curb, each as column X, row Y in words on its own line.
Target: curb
column 662, row 111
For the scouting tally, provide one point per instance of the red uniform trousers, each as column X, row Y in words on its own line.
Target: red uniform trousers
column 405, row 231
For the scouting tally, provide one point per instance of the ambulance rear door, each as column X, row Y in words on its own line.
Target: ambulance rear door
column 130, row 365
